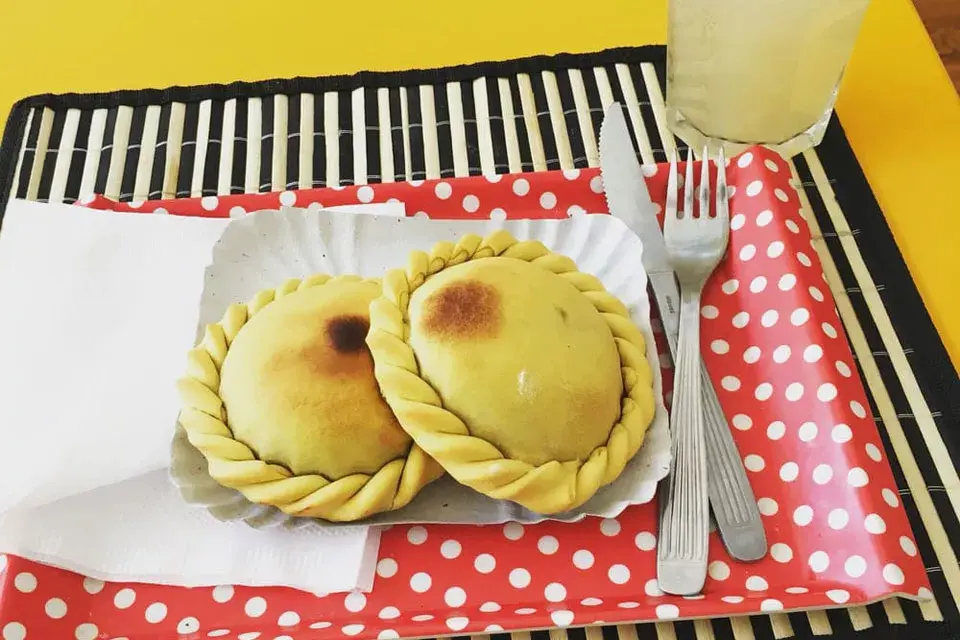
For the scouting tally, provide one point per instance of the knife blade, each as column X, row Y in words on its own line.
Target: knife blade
column 731, row 497
column 629, row 200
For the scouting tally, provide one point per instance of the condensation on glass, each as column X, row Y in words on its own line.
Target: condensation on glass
column 743, row 72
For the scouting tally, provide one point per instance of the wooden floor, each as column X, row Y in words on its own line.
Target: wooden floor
column 942, row 19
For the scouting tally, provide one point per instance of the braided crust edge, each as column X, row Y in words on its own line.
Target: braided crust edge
column 234, row 465
column 551, row 487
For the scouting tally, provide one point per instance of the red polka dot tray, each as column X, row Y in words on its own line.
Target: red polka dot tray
column 773, row 344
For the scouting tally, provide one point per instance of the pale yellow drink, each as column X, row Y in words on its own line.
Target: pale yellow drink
column 757, row 71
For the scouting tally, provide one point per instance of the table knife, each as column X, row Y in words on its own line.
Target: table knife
column 731, row 497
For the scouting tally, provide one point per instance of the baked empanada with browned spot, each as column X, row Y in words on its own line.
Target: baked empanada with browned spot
column 281, row 399
column 518, row 373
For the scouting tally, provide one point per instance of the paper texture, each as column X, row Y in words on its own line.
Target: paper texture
column 265, row 249
column 100, row 309
column 140, row 530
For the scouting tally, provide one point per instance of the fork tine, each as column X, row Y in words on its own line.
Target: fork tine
column 688, row 187
column 723, row 204
column 704, row 192
column 671, row 204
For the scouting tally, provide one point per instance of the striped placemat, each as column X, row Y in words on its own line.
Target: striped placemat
column 523, row 115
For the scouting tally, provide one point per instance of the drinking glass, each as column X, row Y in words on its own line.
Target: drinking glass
column 743, row 72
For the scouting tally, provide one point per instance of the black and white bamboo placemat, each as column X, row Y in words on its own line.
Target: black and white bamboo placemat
column 533, row 114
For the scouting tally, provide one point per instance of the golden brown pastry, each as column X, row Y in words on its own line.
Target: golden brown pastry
column 281, row 399
column 518, row 373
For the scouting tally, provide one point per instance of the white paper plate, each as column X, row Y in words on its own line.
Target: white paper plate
column 262, row 250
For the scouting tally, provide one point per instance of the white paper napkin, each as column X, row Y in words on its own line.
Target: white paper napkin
column 99, row 310
column 140, row 530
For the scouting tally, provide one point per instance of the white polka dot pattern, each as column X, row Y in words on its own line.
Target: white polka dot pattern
column 583, row 559
column 787, row 384
column 450, row 549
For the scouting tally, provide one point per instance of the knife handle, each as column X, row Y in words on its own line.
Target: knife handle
column 731, row 497
column 667, row 293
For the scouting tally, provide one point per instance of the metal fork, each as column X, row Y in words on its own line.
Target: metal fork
column 695, row 245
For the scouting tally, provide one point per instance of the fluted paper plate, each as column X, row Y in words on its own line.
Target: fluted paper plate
column 264, row 249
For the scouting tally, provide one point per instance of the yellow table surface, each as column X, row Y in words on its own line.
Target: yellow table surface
column 899, row 109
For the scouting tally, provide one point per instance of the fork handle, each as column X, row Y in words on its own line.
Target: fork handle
column 684, row 519
column 731, row 496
